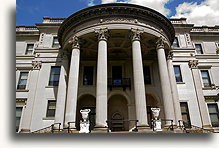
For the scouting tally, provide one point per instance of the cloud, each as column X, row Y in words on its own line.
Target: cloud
column 157, row 5
column 91, row 3
column 205, row 13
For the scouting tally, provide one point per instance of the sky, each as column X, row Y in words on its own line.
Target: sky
column 198, row 12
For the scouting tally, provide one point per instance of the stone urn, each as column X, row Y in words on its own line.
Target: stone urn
column 156, row 112
column 84, row 114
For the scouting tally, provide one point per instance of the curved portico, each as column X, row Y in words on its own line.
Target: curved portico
column 118, row 32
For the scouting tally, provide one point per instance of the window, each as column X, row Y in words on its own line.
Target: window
column 185, row 114
column 175, row 42
column 147, row 75
column 54, row 76
column 23, row 80
column 205, row 78
column 88, row 75
column 214, row 114
column 178, row 74
column 55, row 42
column 117, row 75
column 198, row 49
column 51, row 108
column 18, row 117
column 29, row 49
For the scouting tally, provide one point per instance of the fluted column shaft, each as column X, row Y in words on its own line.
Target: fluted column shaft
column 101, row 88
column 175, row 95
column 71, row 104
column 139, row 87
column 193, row 64
column 165, row 82
column 61, row 94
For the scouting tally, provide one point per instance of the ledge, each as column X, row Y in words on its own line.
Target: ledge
column 22, row 90
column 48, row 118
column 180, row 83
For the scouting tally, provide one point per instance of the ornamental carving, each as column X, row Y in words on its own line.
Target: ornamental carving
column 193, row 63
column 64, row 54
column 102, row 34
column 36, row 65
column 170, row 55
column 160, row 42
column 136, row 34
column 74, row 41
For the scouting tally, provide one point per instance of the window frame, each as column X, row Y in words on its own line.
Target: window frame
column 28, row 73
column 55, row 44
column 209, row 78
column 20, row 103
column 187, row 113
column 202, row 48
column 26, row 51
column 83, row 82
column 180, row 71
column 177, row 39
column 150, row 72
column 217, row 107
column 48, row 109
column 50, row 83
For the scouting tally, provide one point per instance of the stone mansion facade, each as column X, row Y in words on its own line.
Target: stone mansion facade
column 119, row 60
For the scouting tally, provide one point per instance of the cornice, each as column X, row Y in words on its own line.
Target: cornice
column 116, row 9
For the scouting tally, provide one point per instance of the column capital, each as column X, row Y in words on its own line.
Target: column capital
column 74, row 41
column 136, row 34
column 102, row 34
column 193, row 64
column 170, row 55
column 160, row 43
column 36, row 65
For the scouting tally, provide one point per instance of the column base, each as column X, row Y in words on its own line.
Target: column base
column 24, row 131
column 144, row 129
column 100, row 130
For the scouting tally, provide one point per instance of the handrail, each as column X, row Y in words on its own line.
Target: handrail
column 192, row 127
column 48, row 128
column 110, row 121
column 69, row 124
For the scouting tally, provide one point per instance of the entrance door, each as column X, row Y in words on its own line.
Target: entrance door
column 117, row 75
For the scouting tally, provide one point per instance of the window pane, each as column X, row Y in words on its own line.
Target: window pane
column 18, row 117
column 51, row 108
column 29, row 49
column 177, row 72
column 212, row 108
column 185, row 114
column 147, row 75
column 54, row 76
column 23, row 80
column 175, row 42
column 205, row 78
column 88, row 75
column 198, row 48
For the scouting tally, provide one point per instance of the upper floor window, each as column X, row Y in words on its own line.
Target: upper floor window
column 51, row 108
column 175, row 42
column 177, row 72
column 29, row 49
column 147, row 75
column 206, row 78
column 22, row 80
column 88, row 75
column 54, row 76
column 214, row 114
column 55, row 42
column 198, row 49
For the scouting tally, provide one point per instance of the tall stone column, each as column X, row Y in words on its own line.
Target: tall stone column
column 72, row 93
column 25, row 124
column 101, row 88
column 139, row 87
column 193, row 64
column 62, row 90
column 175, row 95
column 165, row 82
